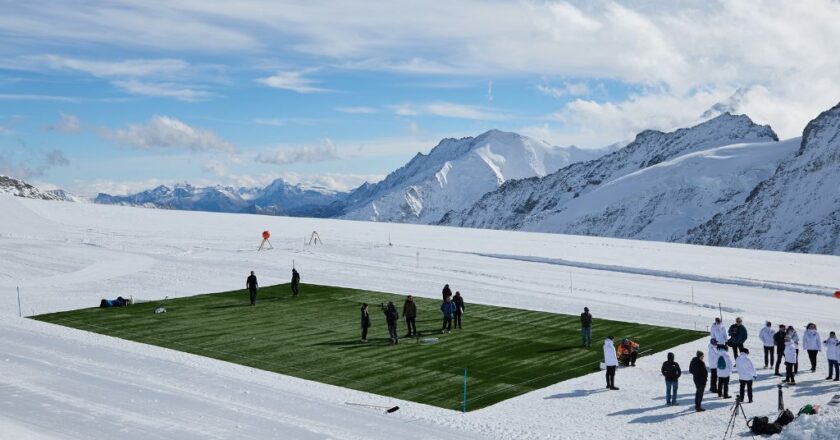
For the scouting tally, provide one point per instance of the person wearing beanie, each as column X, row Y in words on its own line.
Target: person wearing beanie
column 610, row 361
column 713, row 360
column 700, row 376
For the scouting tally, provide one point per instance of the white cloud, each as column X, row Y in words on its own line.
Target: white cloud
column 334, row 181
column 356, row 110
column 567, row 89
column 216, row 167
column 449, row 110
column 163, row 90
column 322, row 152
column 27, row 97
column 67, row 123
column 99, row 68
column 592, row 124
column 294, row 81
column 490, row 91
column 168, row 133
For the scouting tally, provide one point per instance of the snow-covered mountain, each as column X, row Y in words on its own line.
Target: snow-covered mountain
column 278, row 198
column 456, row 173
column 798, row 208
column 652, row 188
column 19, row 188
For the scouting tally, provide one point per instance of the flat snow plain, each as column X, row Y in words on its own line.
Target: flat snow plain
column 58, row 382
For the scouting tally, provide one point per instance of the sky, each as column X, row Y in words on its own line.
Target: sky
column 120, row 96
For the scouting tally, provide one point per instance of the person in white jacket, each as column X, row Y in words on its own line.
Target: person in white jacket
column 610, row 361
column 746, row 374
column 832, row 352
column 812, row 344
column 766, row 335
column 794, row 338
column 724, row 370
column 713, row 359
column 790, row 361
column 718, row 332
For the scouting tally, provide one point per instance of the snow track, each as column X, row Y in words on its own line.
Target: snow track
column 58, row 382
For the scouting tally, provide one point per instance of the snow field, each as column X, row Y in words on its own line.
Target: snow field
column 66, row 256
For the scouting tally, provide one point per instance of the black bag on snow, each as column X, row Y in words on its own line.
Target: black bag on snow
column 758, row 425
column 785, row 417
column 772, row 428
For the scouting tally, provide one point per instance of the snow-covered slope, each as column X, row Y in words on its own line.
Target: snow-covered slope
column 64, row 383
column 526, row 203
column 798, row 208
column 19, row 188
column 278, row 198
column 664, row 201
column 456, row 173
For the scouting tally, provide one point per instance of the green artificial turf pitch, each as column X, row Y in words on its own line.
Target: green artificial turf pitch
column 507, row 352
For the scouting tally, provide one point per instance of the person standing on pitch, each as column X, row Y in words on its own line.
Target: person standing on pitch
column 410, row 315
column 766, row 335
column 713, row 360
column 611, row 362
column 252, row 286
column 790, row 361
column 459, row 308
column 448, row 310
column 446, row 292
column 365, row 322
column 391, row 317
column 724, row 370
column 697, row 368
column 295, row 282
column 718, row 332
column 746, row 374
column 812, row 344
column 737, row 336
column 672, row 372
column 832, row 352
column 586, row 328
column 779, row 340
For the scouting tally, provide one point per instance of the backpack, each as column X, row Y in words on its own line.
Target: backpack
column 721, row 363
column 758, row 425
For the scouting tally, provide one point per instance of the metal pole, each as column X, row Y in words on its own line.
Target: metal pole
column 571, row 291
column 418, row 258
column 465, row 390
column 20, row 313
column 720, row 309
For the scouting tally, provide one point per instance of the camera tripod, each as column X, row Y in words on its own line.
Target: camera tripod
column 733, row 418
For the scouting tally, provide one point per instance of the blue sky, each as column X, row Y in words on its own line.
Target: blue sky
column 118, row 96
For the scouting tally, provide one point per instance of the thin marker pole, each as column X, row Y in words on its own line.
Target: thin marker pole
column 465, row 391
column 571, row 291
column 20, row 313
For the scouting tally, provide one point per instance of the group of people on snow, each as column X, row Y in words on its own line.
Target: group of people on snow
column 452, row 309
column 252, row 285
column 781, row 344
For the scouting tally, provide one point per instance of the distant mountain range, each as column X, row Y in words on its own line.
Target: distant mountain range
column 278, row 198
column 726, row 181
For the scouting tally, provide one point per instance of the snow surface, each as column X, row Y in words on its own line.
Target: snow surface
column 63, row 383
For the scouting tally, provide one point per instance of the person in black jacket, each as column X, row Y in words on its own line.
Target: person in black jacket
column 252, row 285
column 410, row 315
column 672, row 372
column 295, row 282
column 365, row 322
column 391, row 317
column 700, row 375
column 779, row 340
column 459, row 308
